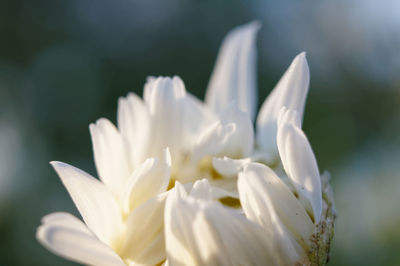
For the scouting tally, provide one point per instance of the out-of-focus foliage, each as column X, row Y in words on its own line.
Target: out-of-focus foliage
column 64, row 63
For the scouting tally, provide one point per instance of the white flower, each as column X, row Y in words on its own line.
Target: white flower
column 188, row 183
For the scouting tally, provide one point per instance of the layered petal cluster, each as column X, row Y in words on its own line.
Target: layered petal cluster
column 182, row 182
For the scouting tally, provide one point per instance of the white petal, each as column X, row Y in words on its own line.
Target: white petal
column 212, row 140
column 259, row 208
column 68, row 237
column 229, row 167
column 291, row 91
column 261, row 183
column 195, row 117
column 300, row 164
column 262, row 157
column 234, row 75
column 225, row 187
column 134, row 125
column 148, row 88
column 149, row 179
column 110, row 154
column 64, row 218
column 202, row 190
column 206, row 189
column 177, row 248
column 94, row 200
column 241, row 142
column 289, row 116
column 186, row 117
column 218, row 191
column 205, row 233
column 165, row 100
column 235, row 241
column 145, row 234
column 163, row 87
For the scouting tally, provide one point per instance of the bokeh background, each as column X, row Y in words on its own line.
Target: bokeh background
column 64, row 63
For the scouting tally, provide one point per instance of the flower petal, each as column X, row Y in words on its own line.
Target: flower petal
column 205, row 233
column 68, row 237
column 94, row 200
column 212, row 140
column 241, row 142
column 196, row 117
column 149, row 179
column 267, row 190
column 202, row 190
column 259, row 208
column 291, row 91
column 234, row 75
column 134, row 125
column 164, row 94
column 144, row 244
column 229, row 167
column 110, row 155
column 299, row 162
column 225, row 137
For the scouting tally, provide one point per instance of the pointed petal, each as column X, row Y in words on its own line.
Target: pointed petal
column 68, row 237
column 267, row 190
column 145, row 234
column 110, row 155
column 299, row 162
column 133, row 123
column 291, row 91
column 149, row 179
column 94, row 200
column 234, row 75
column 205, row 233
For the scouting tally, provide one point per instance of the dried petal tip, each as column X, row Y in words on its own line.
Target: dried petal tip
column 323, row 234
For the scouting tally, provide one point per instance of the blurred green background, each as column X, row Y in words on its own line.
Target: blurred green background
column 64, row 63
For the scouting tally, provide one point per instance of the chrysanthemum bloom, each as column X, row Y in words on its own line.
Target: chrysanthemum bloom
column 189, row 183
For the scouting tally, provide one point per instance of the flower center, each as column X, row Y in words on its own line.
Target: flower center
column 186, row 171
